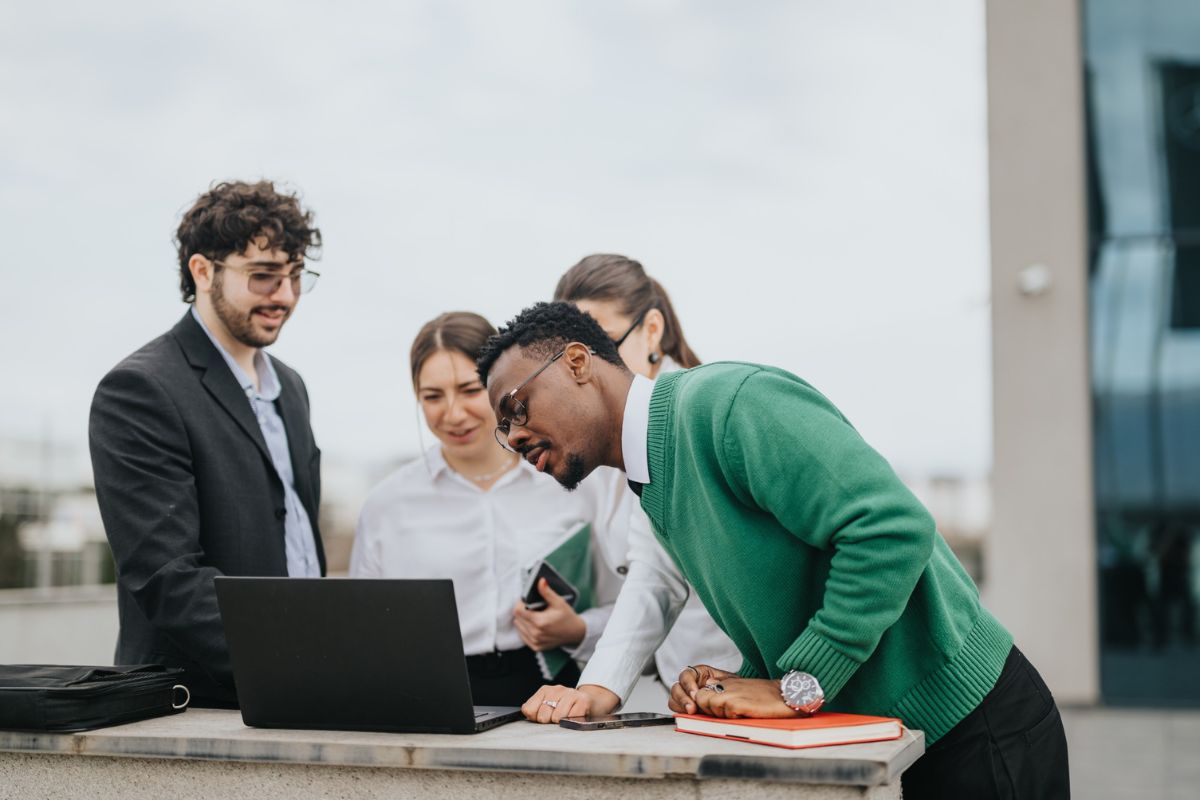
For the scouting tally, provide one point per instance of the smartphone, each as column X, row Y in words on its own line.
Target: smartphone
column 598, row 723
column 533, row 598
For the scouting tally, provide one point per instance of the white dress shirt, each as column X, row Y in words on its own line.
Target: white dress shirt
column 655, row 612
column 427, row 521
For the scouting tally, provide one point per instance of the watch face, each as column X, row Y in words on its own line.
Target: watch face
column 800, row 689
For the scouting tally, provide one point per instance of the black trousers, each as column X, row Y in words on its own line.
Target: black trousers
column 510, row 677
column 1012, row 746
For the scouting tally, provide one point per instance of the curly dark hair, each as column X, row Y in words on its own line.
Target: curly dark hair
column 545, row 328
column 232, row 214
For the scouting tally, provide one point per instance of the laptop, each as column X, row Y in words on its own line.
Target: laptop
column 351, row 654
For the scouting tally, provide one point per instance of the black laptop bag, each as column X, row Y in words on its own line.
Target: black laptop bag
column 37, row 697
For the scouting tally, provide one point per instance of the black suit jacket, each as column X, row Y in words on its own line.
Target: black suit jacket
column 187, row 492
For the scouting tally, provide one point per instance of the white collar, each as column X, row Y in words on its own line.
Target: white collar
column 435, row 461
column 635, row 426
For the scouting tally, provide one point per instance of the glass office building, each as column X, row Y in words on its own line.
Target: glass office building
column 1142, row 84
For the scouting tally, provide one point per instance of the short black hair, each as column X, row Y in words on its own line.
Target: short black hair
column 545, row 328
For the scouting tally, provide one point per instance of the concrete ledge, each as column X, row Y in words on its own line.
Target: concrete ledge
column 60, row 595
column 519, row 747
column 32, row 776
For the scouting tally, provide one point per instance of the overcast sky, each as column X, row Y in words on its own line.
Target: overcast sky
column 808, row 180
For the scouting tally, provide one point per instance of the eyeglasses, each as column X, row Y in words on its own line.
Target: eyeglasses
column 625, row 335
column 514, row 411
column 267, row 283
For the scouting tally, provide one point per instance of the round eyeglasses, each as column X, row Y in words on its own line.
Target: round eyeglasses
column 514, row 411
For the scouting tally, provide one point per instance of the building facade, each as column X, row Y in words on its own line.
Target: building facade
column 1094, row 126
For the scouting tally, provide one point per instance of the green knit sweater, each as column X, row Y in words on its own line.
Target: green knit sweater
column 808, row 550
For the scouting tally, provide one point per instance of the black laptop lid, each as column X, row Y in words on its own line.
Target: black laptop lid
column 347, row 654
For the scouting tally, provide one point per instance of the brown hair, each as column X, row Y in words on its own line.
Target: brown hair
column 460, row 331
column 605, row 276
column 231, row 215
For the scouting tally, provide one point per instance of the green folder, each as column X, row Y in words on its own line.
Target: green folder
column 573, row 560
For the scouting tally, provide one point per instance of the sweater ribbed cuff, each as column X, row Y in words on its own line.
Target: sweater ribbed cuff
column 811, row 653
column 747, row 670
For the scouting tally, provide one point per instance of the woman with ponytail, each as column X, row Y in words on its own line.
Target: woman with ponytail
column 636, row 313
column 633, row 308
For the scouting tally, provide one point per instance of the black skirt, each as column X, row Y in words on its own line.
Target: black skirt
column 510, row 677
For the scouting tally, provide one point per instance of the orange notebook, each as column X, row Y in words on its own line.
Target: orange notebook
column 820, row 730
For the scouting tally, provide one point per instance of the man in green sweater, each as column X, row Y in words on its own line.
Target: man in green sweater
column 800, row 540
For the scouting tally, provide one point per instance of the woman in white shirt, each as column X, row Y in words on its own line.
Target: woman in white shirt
column 471, row 511
column 636, row 312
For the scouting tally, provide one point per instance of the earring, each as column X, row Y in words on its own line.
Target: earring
column 654, row 358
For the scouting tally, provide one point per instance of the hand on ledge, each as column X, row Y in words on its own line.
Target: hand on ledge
column 707, row 690
column 552, row 703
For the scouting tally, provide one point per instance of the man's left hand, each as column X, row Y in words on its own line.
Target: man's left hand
column 555, row 626
column 743, row 697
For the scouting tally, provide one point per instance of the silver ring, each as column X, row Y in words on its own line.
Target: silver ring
column 551, row 703
column 716, row 687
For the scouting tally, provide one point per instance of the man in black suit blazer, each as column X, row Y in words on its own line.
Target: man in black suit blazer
column 204, row 460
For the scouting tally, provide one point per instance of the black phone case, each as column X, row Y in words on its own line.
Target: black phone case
column 533, row 600
column 609, row 724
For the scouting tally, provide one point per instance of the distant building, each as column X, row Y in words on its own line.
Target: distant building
column 68, row 546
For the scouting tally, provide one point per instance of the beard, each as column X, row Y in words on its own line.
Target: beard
column 575, row 472
column 241, row 324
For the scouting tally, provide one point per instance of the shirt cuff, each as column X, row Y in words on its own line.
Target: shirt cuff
column 594, row 620
column 813, row 653
column 617, row 672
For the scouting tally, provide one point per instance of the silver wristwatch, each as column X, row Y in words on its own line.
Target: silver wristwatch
column 801, row 692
